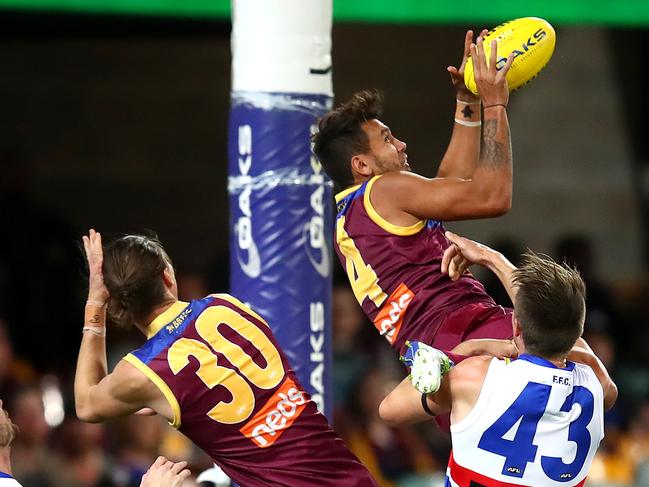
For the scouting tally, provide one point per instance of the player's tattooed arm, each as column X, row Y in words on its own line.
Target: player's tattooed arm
column 494, row 152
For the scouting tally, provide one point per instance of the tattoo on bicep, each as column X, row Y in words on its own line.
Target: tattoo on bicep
column 95, row 319
column 493, row 154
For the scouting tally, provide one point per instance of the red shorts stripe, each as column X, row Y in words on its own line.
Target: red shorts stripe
column 465, row 477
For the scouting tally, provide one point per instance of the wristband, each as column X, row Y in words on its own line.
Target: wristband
column 467, row 123
column 94, row 302
column 495, row 105
column 424, row 404
column 100, row 332
column 468, row 102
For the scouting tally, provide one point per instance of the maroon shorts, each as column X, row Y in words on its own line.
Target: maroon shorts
column 479, row 320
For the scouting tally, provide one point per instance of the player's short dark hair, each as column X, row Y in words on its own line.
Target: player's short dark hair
column 133, row 267
column 550, row 305
column 340, row 136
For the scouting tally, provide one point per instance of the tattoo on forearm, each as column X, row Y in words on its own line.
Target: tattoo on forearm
column 95, row 319
column 493, row 154
column 467, row 112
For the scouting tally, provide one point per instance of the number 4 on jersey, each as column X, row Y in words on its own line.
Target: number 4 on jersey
column 528, row 409
column 362, row 277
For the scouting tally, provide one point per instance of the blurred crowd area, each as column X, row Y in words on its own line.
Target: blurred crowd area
column 41, row 309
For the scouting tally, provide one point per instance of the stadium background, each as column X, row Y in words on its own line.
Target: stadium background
column 117, row 120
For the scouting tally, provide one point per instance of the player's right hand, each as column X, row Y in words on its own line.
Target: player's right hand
column 491, row 82
column 97, row 290
column 457, row 74
column 165, row 473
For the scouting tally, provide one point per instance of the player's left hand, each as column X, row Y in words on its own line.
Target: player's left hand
column 97, row 290
column 454, row 263
column 165, row 473
column 457, row 74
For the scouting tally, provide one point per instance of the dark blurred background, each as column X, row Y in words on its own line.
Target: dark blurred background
column 120, row 123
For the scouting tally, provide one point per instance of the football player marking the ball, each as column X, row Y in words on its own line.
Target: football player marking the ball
column 389, row 232
column 211, row 367
column 534, row 421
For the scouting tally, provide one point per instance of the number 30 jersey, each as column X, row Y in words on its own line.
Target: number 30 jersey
column 534, row 424
column 233, row 393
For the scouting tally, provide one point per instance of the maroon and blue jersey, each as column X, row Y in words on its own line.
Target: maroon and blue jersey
column 395, row 273
column 233, row 393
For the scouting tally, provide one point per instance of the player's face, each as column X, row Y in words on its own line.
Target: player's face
column 387, row 152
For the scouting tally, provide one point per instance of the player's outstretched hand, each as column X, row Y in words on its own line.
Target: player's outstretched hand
column 165, row 473
column 457, row 74
column 97, row 292
column 491, row 82
column 459, row 256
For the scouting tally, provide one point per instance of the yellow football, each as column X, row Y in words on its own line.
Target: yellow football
column 530, row 39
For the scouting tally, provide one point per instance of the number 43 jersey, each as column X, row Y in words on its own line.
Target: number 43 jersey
column 233, row 393
column 534, row 424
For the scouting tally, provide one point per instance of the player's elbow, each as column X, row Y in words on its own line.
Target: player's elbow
column 88, row 417
column 610, row 395
column 389, row 412
column 491, row 207
column 490, row 200
column 505, row 205
column 500, row 203
column 85, row 413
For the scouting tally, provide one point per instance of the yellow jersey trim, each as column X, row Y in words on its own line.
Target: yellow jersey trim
column 162, row 385
column 242, row 306
column 382, row 222
column 346, row 192
column 165, row 317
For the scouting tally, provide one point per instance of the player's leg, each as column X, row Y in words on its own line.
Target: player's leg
column 407, row 402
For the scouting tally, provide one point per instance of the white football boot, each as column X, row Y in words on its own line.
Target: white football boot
column 427, row 366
